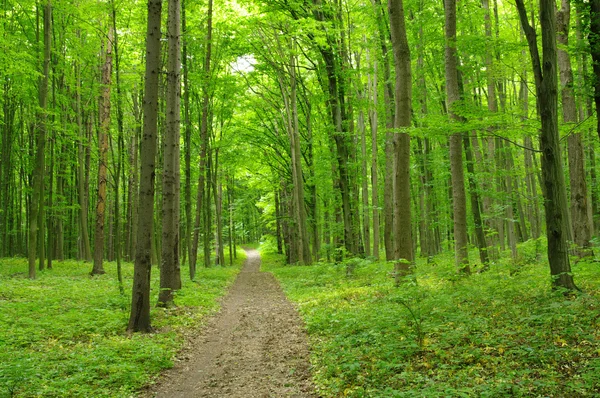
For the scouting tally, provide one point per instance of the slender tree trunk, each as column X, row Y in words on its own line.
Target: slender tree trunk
column 120, row 153
column 582, row 229
column 403, row 251
column 594, row 39
column 37, row 197
column 170, row 181
column 475, row 204
column 203, row 142
column 388, row 99
column 365, row 181
column 373, row 118
column 298, row 179
column 139, row 320
column 103, row 134
column 188, row 147
column 456, row 163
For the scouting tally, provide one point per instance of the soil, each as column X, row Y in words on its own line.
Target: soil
column 255, row 346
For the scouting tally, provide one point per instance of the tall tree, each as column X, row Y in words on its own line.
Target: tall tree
column 204, row 138
column 403, row 250
column 459, row 200
column 170, row 181
column 103, row 135
column 373, row 118
column 580, row 219
column 187, row 143
column 555, row 196
column 37, row 197
column 139, row 320
column 594, row 39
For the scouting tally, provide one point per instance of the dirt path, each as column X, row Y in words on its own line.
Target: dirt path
column 254, row 347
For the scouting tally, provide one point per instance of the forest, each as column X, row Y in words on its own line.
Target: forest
column 417, row 181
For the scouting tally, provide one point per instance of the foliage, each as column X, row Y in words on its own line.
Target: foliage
column 497, row 333
column 64, row 333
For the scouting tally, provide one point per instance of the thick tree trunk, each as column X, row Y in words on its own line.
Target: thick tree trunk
column 459, row 200
column 403, row 251
column 139, row 320
column 552, row 173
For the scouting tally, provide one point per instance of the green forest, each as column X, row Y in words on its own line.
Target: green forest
column 299, row 198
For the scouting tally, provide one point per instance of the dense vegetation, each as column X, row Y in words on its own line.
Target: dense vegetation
column 499, row 333
column 450, row 146
column 64, row 335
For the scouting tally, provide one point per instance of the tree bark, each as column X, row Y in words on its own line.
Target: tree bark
column 388, row 99
column 552, row 172
column 139, row 320
column 594, row 39
column 373, row 118
column 582, row 228
column 203, row 142
column 459, row 200
column 37, row 197
column 103, row 134
column 188, row 147
column 403, row 250
column 170, row 181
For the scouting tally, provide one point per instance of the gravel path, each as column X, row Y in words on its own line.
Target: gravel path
column 255, row 346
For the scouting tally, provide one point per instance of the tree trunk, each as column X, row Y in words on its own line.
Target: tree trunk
column 594, row 39
column 582, row 229
column 373, row 118
column 37, row 197
column 475, row 204
column 103, row 134
column 188, row 147
column 203, row 142
column 403, row 250
column 170, row 181
column 365, row 180
column 388, row 99
column 139, row 320
column 552, row 173
column 459, row 200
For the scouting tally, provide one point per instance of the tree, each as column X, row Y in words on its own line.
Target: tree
column 139, row 320
column 204, row 138
column 555, row 197
column 580, row 218
column 169, row 280
column 103, row 135
column 459, row 200
column 37, row 197
column 403, row 251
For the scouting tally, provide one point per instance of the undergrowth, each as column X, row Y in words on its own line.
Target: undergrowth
column 500, row 333
column 63, row 334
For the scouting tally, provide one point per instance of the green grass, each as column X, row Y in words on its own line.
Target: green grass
column 63, row 334
column 496, row 334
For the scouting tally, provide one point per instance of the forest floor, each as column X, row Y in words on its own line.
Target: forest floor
column 255, row 346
